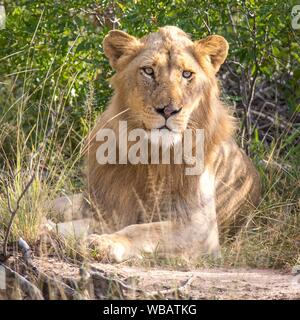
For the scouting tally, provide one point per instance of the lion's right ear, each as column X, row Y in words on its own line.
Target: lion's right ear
column 119, row 46
column 215, row 47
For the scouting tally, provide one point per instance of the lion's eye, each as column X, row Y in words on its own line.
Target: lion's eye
column 149, row 71
column 187, row 74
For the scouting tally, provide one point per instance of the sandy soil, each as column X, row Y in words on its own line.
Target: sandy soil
column 139, row 282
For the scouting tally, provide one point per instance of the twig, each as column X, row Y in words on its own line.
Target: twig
column 182, row 288
column 231, row 20
column 13, row 212
column 62, row 287
column 207, row 23
column 97, row 274
column 123, row 285
column 27, row 287
column 282, row 123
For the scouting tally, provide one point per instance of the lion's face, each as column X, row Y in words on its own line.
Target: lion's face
column 168, row 82
column 164, row 76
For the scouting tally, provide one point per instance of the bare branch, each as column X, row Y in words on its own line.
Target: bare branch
column 26, row 286
column 14, row 211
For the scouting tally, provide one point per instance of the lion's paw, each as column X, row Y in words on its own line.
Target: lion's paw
column 109, row 247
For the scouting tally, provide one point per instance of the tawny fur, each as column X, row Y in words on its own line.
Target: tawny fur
column 158, row 208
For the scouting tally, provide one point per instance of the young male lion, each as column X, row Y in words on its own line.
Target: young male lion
column 165, row 81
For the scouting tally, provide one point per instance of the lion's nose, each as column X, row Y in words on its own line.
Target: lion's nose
column 168, row 110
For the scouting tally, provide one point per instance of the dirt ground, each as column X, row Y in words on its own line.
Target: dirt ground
column 160, row 283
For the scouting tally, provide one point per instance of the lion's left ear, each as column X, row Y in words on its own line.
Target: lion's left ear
column 215, row 47
column 118, row 44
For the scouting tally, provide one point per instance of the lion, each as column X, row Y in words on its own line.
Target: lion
column 165, row 81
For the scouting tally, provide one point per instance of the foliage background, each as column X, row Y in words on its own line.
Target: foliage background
column 54, row 83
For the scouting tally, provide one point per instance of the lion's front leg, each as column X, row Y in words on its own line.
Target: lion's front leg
column 199, row 235
column 193, row 238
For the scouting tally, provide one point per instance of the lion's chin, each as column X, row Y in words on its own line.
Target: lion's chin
column 164, row 137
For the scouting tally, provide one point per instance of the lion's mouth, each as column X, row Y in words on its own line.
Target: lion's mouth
column 164, row 127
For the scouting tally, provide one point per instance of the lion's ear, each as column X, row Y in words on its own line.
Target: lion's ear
column 118, row 44
column 215, row 47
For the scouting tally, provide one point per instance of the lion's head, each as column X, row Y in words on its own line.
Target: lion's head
column 165, row 79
